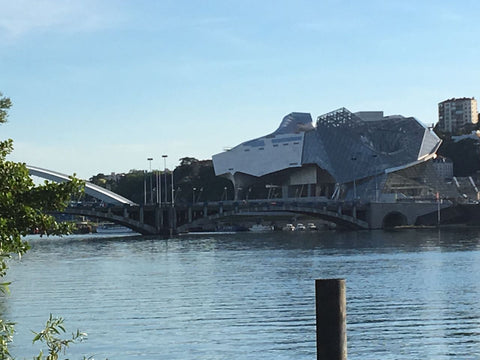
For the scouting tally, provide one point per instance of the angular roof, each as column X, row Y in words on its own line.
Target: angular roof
column 341, row 142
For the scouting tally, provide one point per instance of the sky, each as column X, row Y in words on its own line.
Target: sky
column 100, row 86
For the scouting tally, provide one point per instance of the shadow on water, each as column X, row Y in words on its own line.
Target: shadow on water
column 377, row 241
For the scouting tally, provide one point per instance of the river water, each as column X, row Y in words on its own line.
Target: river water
column 411, row 294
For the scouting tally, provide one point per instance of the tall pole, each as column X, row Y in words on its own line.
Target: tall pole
column 151, row 182
column 165, row 173
column 159, row 179
column 157, row 187
column 144, row 187
column 173, row 192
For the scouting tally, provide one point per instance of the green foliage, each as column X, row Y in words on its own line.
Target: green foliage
column 199, row 174
column 464, row 155
column 24, row 207
column 6, row 337
column 51, row 336
column 131, row 186
column 5, row 104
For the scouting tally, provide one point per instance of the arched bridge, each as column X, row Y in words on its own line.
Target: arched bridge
column 167, row 219
column 344, row 214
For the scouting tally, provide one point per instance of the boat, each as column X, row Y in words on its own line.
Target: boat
column 300, row 227
column 311, row 227
column 288, row 227
column 260, row 228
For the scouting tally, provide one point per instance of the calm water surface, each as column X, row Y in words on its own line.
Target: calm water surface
column 410, row 294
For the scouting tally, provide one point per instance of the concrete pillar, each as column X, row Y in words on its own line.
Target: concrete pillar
column 141, row 215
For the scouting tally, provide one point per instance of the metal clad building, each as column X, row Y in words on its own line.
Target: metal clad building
column 345, row 155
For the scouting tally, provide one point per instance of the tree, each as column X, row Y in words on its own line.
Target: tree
column 25, row 206
column 464, row 155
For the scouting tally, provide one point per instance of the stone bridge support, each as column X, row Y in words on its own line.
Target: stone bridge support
column 380, row 215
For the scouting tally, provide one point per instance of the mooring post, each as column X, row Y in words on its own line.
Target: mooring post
column 331, row 310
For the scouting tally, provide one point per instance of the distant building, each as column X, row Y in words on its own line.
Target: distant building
column 343, row 156
column 456, row 114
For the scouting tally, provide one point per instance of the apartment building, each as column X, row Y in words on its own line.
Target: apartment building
column 456, row 114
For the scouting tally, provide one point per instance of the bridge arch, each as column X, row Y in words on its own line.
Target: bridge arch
column 340, row 219
column 393, row 219
column 96, row 191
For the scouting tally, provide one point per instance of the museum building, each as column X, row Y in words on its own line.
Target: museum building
column 344, row 156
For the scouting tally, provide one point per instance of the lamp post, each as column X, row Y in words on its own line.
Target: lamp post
column 151, row 182
column 144, row 187
column 159, row 187
column 165, row 172
column 173, row 192
column 193, row 195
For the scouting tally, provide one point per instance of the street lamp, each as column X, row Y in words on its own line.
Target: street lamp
column 173, row 192
column 193, row 195
column 151, row 182
column 165, row 172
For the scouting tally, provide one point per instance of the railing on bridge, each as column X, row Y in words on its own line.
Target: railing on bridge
column 165, row 219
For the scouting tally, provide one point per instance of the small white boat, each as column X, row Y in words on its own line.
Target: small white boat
column 288, row 227
column 300, row 227
column 260, row 228
column 311, row 227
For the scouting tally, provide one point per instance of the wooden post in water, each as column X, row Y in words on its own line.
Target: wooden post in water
column 331, row 319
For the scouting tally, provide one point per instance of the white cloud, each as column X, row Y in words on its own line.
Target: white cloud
column 21, row 17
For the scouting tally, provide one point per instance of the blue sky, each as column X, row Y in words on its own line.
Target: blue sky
column 100, row 86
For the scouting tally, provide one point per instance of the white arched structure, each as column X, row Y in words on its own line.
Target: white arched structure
column 96, row 191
